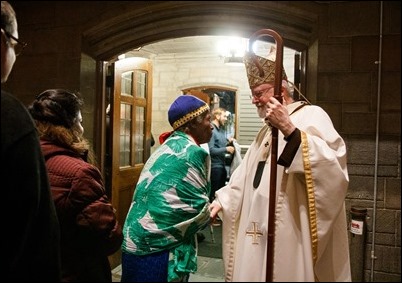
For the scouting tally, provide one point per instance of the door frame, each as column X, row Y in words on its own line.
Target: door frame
column 120, row 181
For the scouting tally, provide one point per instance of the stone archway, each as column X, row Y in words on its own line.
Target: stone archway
column 131, row 25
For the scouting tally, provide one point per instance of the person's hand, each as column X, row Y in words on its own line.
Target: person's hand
column 278, row 116
column 214, row 208
column 230, row 149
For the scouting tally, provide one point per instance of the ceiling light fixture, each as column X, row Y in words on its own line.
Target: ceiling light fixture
column 233, row 60
column 232, row 50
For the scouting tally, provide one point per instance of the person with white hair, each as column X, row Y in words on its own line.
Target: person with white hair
column 310, row 241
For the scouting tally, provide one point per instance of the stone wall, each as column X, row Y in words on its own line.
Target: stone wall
column 352, row 86
column 345, row 76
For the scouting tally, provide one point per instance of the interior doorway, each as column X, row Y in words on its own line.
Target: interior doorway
column 128, row 133
column 216, row 97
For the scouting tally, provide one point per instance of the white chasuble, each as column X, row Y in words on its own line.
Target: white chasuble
column 311, row 241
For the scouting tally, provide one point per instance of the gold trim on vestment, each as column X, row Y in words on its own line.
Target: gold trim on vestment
column 310, row 195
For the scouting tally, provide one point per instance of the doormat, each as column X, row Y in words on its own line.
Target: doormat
column 208, row 247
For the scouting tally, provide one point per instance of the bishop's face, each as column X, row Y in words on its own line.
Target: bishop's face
column 259, row 97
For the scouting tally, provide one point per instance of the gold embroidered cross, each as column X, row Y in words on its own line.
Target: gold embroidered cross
column 255, row 233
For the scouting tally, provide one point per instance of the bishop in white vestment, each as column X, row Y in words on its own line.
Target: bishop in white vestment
column 310, row 240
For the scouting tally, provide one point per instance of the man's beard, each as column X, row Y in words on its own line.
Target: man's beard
column 262, row 110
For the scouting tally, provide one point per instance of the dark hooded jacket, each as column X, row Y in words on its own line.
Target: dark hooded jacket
column 30, row 248
column 89, row 228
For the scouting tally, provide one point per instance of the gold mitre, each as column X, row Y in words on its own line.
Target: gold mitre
column 265, row 74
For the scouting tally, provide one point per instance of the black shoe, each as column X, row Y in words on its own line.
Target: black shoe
column 200, row 237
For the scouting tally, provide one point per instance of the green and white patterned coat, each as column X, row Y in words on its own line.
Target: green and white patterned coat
column 170, row 204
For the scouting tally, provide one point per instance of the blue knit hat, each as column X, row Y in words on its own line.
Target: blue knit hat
column 184, row 109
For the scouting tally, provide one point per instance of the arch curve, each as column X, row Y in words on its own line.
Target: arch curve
column 131, row 25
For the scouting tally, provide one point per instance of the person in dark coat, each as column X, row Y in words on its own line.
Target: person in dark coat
column 90, row 231
column 31, row 238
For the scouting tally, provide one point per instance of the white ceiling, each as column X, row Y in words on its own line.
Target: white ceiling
column 208, row 45
column 201, row 44
column 191, row 44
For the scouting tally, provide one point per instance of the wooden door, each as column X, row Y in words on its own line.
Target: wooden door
column 130, row 132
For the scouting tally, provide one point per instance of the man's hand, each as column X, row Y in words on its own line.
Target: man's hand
column 278, row 116
column 230, row 149
column 214, row 208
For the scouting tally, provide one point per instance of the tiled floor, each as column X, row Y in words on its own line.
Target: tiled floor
column 209, row 270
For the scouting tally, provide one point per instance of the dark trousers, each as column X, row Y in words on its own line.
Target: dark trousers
column 218, row 180
column 146, row 268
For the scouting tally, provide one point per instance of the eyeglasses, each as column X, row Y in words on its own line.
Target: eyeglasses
column 18, row 45
column 259, row 94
